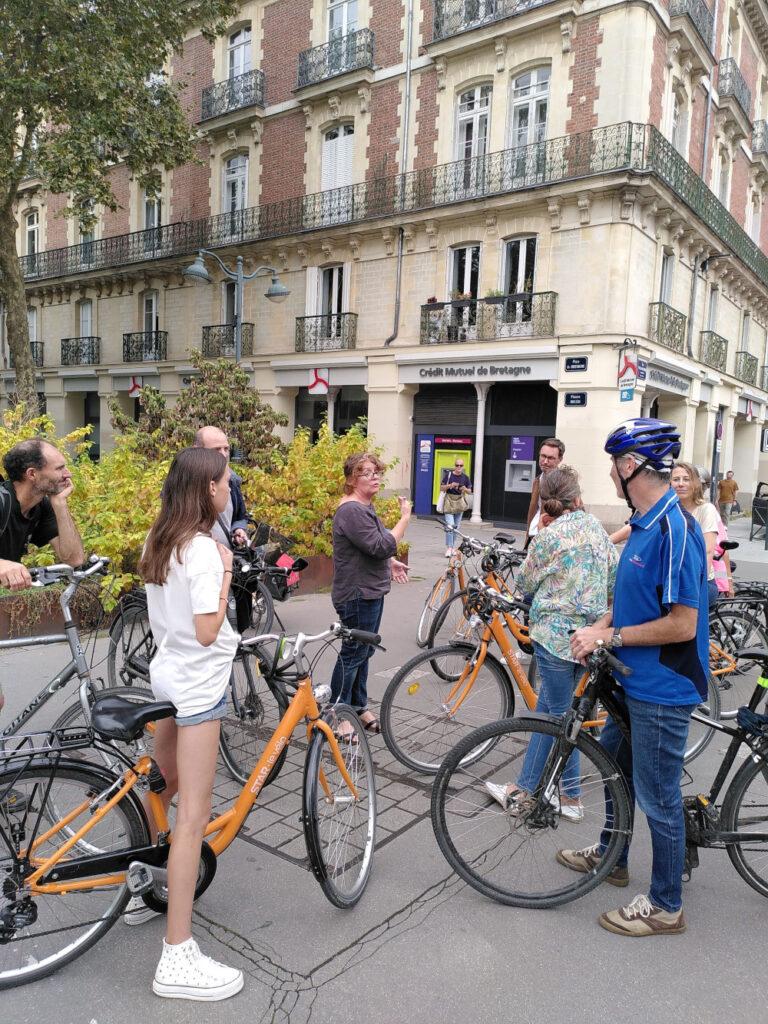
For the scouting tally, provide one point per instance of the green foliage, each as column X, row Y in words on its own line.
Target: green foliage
column 221, row 394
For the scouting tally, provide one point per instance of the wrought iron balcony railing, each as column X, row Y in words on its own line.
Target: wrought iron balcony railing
column 233, row 94
column 698, row 13
column 330, row 332
column 760, row 137
column 666, row 326
column 455, row 16
column 336, row 57
column 763, row 378
column 713, row 350
column 80, row 351
column 730, row 82
column 219, row 340
column 145, row 346
column 745, row 367
column 37, row 349
column 523, row 315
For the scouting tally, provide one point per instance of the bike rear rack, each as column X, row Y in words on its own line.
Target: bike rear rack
column 33, row 744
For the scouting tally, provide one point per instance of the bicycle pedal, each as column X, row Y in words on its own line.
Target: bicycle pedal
column 138, row 878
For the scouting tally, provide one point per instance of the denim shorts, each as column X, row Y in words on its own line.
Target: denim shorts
column 215, row 713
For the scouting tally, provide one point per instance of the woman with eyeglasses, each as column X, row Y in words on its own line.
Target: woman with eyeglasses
column 364, row 566
column 455, row 485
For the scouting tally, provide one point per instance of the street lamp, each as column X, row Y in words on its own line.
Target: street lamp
column 277, row 292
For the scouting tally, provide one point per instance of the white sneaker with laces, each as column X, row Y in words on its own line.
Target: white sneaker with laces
column 502, row 795
column 186, row 973
column 137, row 912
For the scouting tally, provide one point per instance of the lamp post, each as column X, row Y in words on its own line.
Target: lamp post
column 277, row 292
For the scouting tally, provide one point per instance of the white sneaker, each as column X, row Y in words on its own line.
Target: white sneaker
column 186, row 973
column 501, row 794
column 448, row 552
column 137, row 912
column 573, row 812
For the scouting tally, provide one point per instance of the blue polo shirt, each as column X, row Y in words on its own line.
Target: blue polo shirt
column 664, row 562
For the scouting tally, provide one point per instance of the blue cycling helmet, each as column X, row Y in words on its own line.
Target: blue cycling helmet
column 654, row 443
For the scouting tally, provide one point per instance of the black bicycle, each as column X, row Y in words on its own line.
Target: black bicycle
column 510, row 855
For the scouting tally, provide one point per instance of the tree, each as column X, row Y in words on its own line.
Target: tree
column 221, row 395
column 83, row 88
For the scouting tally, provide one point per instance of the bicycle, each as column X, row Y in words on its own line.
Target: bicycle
column 510, row 855
column 441, row 695
column 75, row 840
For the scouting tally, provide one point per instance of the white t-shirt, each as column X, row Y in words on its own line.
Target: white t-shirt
column 193, row 677
column 707, row 517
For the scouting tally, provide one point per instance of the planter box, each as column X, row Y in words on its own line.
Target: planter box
column 43, row 617
column 319, row 574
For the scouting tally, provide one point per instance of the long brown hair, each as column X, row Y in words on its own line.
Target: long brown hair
column 186, row 508
column 697, row 491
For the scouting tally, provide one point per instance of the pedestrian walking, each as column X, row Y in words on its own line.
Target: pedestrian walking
column 456, row 487
column 727, row 489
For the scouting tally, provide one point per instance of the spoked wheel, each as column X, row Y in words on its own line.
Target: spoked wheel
column 262, row 611
column 39, row 933
column 425, row 712
column 340, row 822
column 699, row 735
column 735, row 630
column 745, row 810
column 131, row 646
column 440, row 593
column 511, row 855
column 451, row 624
column 253, row 713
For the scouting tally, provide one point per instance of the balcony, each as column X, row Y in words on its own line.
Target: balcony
column 735, row 97
column 698, row 14
column 713, row 350
column 219, row 341
column 339, row 56
column 523, row 315
column 233, row 94
column 36, row 347
column 331, row 332
column 692, row 24
column 80, row 351
column 666, row 326
column 145, row 346
column 455, row 16
column 745, row 367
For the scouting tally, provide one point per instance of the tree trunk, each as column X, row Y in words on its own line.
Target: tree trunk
column 17, row 326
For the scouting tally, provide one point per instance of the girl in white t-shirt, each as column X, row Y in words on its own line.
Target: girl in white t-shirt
column 686, row 482
column 188, row 576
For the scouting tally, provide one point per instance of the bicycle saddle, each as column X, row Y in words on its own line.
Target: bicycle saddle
column 504, row 538
column 754, row 654
column 116, row 718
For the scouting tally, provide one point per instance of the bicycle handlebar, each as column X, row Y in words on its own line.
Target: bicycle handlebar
column 45, row 575
column 295, row 656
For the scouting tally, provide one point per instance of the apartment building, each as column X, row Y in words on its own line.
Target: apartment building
column 498, row 220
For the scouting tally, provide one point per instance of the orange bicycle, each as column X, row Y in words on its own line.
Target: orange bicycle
column 75, row 838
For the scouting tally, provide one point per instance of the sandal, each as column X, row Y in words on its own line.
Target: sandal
column 371, row 725
column 347, row 736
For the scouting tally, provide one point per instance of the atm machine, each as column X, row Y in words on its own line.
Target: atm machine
column 520, row 468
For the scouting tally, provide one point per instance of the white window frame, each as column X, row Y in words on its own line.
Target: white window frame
column 85, row 318
column 714, row 298
column 530, row 96
column 678, row 130
column 755, row 218
column 150, row 311
column 32, row 233
column 239, row 52
column 235, row 173
column 32, row 322
column 346, row 11
column 477, row 117
column 746, row 325
column 666, row 277
column 723, row 177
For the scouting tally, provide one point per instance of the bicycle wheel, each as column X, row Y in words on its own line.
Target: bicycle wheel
column 745, row 809
column 451, row 625
column 736, row 629
column 254, row 710
column 700, row 735
column 511, row 855
column 423, row 715
column 39, row 933
column 262, row 610
column 440, row 593
column 131, row 647
column 339, row 825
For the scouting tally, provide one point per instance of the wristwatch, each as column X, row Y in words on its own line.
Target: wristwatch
column 616, row 640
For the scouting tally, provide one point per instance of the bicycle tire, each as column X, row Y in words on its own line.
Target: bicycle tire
column 340, row 831
column 702, row 735
column 450, row 623
column 262, row 610
column 254, row 710
column 131, row 646
column 416, row 725
column 441, row 591
column 732, row 630
column 731, row 821
column 123, row 826
column 472, row 831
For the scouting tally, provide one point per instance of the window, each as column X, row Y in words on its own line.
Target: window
column 32, row 322
column 665, row 285
column 474, row 111
column 679, row 128
column 746, row 324
column 723, row 177
column 92, row 419
column 32, row 233
column 332, row 300
column 519, row 267
column 528, row 124
column 712, row 310
column 150, row 312
column 342, row 18
column 152, row 220
column 465, row 275
column 85, row 318
column 755, row 219
column 235, row 192
column 239, row 52
column 87, row 254
column 338, row 146
column 229, row 302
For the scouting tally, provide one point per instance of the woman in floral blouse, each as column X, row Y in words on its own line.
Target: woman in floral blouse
column 569, row 572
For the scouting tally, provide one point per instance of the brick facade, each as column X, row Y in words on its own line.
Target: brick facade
column 387, row 26
column 658, row 79
column 118, row 223
column 583, row 76
column 190, row 183
column 55, row 224
column 193, row 66
column 283, row 149
column 748, row 67
column 286, row 32
column 426, row 119
column 383, row 130
column 739, row 187
column 696, row 137
column 191, row 188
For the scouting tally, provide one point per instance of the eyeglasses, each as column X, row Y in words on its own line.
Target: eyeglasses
column 458, row 465
column 369, row 475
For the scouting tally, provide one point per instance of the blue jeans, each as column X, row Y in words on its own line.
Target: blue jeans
column 349, row 683
column 558, row 681
column 712, row 593
column 452, row 521
column 653, row 769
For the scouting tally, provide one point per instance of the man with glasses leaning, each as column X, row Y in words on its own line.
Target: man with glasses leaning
column 455, row 485
column 550, row 456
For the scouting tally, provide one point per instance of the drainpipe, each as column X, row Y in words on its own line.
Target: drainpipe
column 404, row 164
column 708, row 114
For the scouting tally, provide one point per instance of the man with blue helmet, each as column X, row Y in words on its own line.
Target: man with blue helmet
column 659, row 623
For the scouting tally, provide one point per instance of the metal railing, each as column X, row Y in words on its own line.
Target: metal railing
column 245, row 90
column 219, row 340
column 522, row 315
column 455, row 16
column 37, row 348
column 699, row 14
column 760, row 137
column 730, row 82
column 666, row 326
column 145, row 346
column 330, row 332
column 713, row 350
column 745, row 367
column 336, row 57
column 84, row 351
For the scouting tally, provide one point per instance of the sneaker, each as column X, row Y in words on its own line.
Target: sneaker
column 587, row 860
column 137, row 912
column 573, row 812
column 448, row 552
column 502, row 795
column 640, row 917
column 186, row 973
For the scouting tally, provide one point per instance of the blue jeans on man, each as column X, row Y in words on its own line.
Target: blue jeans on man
column 349, row 682
column 452, row 523
column 653, row 768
